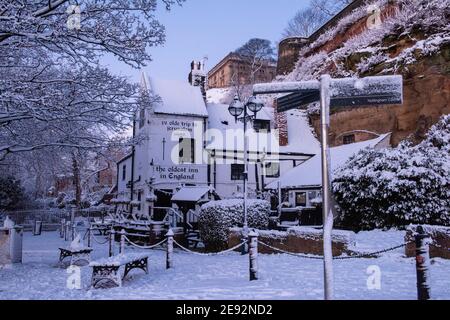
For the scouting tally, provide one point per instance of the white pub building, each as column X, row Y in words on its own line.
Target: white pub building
column 191, row 149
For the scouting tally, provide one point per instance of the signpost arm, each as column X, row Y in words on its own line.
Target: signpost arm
column 325, row 99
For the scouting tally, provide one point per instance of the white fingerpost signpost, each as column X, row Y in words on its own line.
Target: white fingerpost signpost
column 333, row 93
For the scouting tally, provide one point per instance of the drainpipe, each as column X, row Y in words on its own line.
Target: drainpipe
column 133, row 154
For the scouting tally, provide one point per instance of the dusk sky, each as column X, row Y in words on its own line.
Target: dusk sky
column 211, row 28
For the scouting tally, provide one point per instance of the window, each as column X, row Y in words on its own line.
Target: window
column 124, row 172
column 348, row 139
column 187, row 150
column 261, row 125
column 141, row 118
column 237, row 172
column 300, row 199
column 272, row 169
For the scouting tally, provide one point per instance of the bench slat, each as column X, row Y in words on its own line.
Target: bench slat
column 119, row 260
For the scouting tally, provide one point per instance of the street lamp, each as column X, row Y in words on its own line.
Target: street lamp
column 236, row 109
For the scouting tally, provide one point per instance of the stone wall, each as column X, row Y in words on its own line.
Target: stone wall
column 426, row 99
column 288, row 54
column 440, row 246
column 298, row 240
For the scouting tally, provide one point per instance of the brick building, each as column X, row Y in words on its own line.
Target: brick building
column 233, row 69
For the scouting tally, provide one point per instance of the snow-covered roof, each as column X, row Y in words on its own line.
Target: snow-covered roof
column 309, row 173
column 190, row 194
column 177, row 98
column 219, row 95
column 221, row 120
column 300, row 134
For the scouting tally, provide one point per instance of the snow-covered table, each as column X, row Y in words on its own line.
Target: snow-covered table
column 76, row 255
column 108, row 269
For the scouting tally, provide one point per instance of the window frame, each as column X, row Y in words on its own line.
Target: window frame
column 181, row 158
column 272, row 175
column 124, row 172
column 233, row 169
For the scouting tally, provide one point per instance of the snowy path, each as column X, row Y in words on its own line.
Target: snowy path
column 224, row 277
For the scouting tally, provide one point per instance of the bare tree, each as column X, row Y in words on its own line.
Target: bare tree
column 255, row 54
column 308, row 20
column 305, row 23
column 329, row 7
column 52, row 91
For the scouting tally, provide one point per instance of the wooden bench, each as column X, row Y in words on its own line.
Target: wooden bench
column 107, row 270
column 76, row 255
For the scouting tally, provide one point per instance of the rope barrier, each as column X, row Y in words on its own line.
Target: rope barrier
column 94, row 237
column 368, row 255
column 144, row 247
column 208, row 254
column 290, row 253
column 364, row 255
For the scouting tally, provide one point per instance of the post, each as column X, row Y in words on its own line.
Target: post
column 89, row 237
column 66, row 232
column 280, row 201
column 169, row 253
column 423, row 264
column 62, row 230
column 112, row 235
column 122, row 241
column 253, row 255
column 72, row 221
column 245, row 228
column 327, row 212
column 72, row 231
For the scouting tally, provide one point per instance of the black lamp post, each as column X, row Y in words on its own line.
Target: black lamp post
column 236, row 109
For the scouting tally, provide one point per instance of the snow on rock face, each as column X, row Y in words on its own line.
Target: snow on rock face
column 427, row 17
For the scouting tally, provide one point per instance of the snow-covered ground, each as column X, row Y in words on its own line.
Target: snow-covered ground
column 224, row 277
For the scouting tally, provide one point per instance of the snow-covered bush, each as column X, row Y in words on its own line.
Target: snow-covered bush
column 217, row 217
column 396, row 187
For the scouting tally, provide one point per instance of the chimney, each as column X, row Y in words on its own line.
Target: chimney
column 198, row 76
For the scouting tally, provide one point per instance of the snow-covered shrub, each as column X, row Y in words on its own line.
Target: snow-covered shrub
column 217, row 217
column 396, row 187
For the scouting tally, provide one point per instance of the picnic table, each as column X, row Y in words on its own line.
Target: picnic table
column 107, row 270
column 76, row 254
column 101, row 227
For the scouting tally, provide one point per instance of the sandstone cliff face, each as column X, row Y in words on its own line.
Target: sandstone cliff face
column 426, row 99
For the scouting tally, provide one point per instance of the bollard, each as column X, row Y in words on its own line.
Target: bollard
column 89, row 237
column 63, row 227
column 253, row 254
column 169, row 256
column 16, row 244
column 66, row 232
column 244, row 239
column 122, row 241
column 37, row 230
column 112, row 234
column 423, row 264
